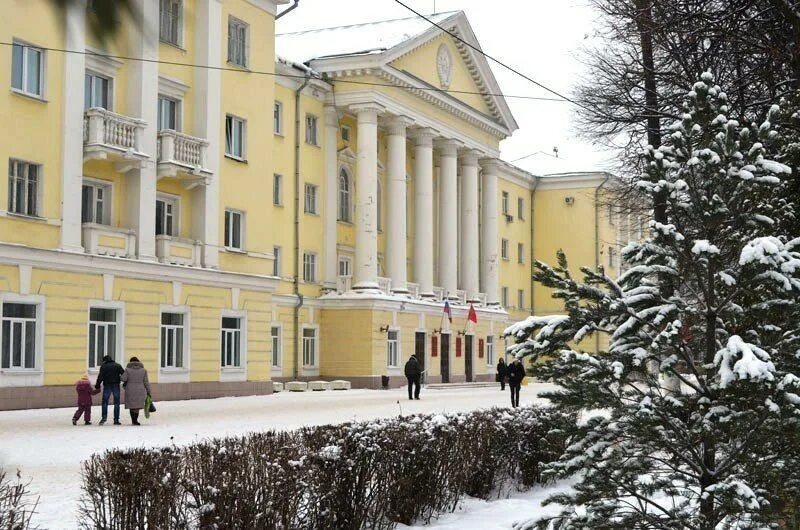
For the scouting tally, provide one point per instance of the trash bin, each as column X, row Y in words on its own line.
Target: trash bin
column 385, row 382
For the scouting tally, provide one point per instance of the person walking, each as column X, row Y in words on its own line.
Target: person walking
column 137, row 388
column 413, row 372
column 516, row 373
column 501, row 373
column 110, row 377
column 85, row 392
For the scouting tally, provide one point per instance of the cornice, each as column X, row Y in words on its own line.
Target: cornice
column 573, row 180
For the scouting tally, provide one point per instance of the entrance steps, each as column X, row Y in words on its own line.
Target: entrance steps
column 446, row 386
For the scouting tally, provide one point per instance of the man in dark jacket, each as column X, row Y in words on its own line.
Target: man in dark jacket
column 110, row 377
column 516, row 373
column 413, row 372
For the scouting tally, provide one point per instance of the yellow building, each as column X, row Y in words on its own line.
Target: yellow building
column 236, row 207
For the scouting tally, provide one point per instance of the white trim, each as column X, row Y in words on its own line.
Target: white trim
column 27, row 45
column 99, row 61
column 396, row 369
column 176, row 214
column 177, row 375
column 172, row 87
column 34, row 376
column 270, row 6
column 279, row 130
column 108, row 203
column 120, row 333
column 234, row 119
column 234, row 373
column 313, row 369
column 276, row 369
column 564, row 181
column 243, row 230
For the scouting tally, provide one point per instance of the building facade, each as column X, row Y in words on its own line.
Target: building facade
column 236, row 207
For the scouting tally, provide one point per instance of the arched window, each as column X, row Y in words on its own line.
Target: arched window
column 378, row 199
column 344, row 195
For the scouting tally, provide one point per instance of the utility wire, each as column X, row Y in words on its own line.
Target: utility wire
column 274, row 74
column 501, row 63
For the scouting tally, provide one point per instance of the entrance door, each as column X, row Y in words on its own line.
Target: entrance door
column 419, row 351
column 468, row 357
column 445, row 357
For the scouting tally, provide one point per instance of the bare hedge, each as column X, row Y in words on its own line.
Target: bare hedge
column 349, row 476
column 17, row 503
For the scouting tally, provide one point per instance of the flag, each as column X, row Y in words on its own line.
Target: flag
column 472, row 315
column 447, row 311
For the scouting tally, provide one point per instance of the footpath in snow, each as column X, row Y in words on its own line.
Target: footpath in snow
column 48, row 450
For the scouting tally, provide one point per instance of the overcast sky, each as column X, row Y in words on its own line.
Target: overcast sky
column 540, row 38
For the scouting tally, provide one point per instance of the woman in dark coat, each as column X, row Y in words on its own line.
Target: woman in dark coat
column 501, row 373
column 137, row 388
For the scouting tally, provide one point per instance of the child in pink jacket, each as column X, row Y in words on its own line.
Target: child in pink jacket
column 85, row 392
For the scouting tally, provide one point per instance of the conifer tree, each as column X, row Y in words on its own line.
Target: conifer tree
column 692, row 408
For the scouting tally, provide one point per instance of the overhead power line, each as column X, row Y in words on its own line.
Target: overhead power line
column 275, row 74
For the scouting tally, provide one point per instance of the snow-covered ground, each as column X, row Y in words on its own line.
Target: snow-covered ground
column 48, row 449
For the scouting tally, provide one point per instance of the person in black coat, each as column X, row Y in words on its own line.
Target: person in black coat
column 516, row 373
column 110, row 377
column 501, row 373
column 413, row 372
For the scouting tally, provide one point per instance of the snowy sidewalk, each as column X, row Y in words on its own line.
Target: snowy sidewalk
column 49, row 450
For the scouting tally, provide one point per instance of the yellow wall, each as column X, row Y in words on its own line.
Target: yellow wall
column 513, row 274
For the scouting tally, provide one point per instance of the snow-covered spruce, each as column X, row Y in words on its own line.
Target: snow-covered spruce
column 697, row 381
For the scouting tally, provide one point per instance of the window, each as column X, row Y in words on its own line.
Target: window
column 172, row 340
column 23, row 187
column 96, row 203
column 345, row 134
column 520, row 253
column 344, row 196
column 234, row 230
column 277, row 118
column 309, row 267
column 231, row 350
column 504, row 248
column 505, row 203
column 170, row 22
column 520, row 299
column 311, row 129
column 97, row 91
column 166, row 216
column 392, row 348
column 490, row 350
column 277, row 190
column 27, row 69
column 18, row 332
column 235, row 129
column 168, row 113
column 309, row 347
column 276, row 262
column 345, row 266
column 311, row 199
column 102, row 335
column 612, row 257
column 520, row 208
column 611, row 216
column 275, row 334
column 237, row 42
column 504, row 296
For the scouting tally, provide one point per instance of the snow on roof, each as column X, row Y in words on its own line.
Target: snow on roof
column 357, row 39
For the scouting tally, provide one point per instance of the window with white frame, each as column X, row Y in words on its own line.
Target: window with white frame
column 238, row 42
column 102, row 334
column 231, row 345
column 612, row 257
column 168, row 113
column 173, row 340
column 490, row 350
column 505, row 205
column 277, row 117
column 504, row 248
column 277, row 353
column 611, row 215
column 345, row 134
column 504, row 296
column 170, row 21
column 344, row 196
column 96, row 91
column 95, row 202
column 310, row 347
column 276, row 261
column 345, row 266
column 520, row 299
column 234, row 229
column 520, row 253
column 520, row 208
column 309, row 267
column 166, row 215
column 310, row 199
column 27, row 69
column 235, row 131
column 19, row 336
column 23, row 187
column 392, row 348
column 311, row 130
column 277, row 189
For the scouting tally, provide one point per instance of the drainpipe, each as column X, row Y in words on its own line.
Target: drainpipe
column 533, row 254
column 286, row 11
column 597, row 243
column 296, row 282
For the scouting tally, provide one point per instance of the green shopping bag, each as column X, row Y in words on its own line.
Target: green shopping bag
column 148, row 406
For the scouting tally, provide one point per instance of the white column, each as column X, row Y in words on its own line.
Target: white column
column 208, row 124
column 365, row 273
column 448, row 215
column 72, row 155
column 143, row 103
column 396, row 254
column 423, row 210
column 330, row 212
column 489, row 234
column 469, row 224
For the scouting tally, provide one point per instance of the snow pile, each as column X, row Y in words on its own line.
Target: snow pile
column 740, row 360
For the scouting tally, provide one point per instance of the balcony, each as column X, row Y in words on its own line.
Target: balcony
column 183, row 157
column 178, row 251
column 111, row 136
column 109, row 241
